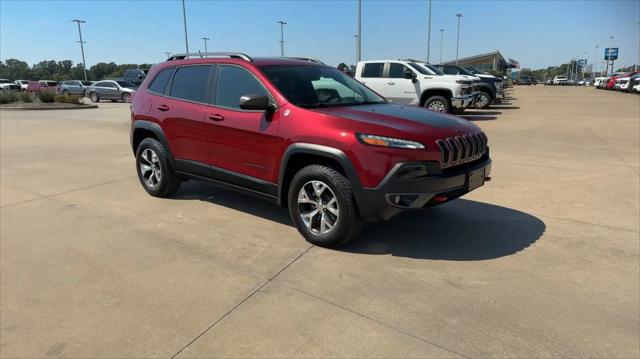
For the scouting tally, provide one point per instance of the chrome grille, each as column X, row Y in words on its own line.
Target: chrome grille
column 462, row 149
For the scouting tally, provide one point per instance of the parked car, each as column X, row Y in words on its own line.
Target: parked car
column 42, row 85
column 490, row 87
column 113, row 90
column 612, row 80
column 7, row 86
column 549, row 81
column 598, row 82
column 560, row 80
column 303, row 135
column 135, row 76
column 622, row 83
column 23, row 84
column 417, row 83
column 636, row 85
column 74, row 87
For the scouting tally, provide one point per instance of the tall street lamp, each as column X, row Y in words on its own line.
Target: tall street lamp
column 595, row 60
column 184, row 20
column 84, row 64
column 359, row 31
column 205, row 43
column 282, row 23
column 429, row 36
column 458, row 41
column 441, row 37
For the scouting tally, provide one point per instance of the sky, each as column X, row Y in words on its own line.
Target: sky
column 537, row 33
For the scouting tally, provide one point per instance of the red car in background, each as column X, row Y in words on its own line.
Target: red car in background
column 44, row 85
column 612, row 79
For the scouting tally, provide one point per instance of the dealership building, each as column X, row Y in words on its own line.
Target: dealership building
column 485, row 62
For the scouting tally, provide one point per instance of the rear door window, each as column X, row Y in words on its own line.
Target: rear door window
column 190, row 83
column 373, row 69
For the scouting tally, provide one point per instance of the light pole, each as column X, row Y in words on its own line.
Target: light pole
column 282, row 23
column 441, row 37
column 458, row 41
column 84, row 64
column 205, row 43
column 359, row 31
column 635, row 65
column 595, row 61
column 429, row 36
column 184, row 19
column 609, row 57
column 168, row 54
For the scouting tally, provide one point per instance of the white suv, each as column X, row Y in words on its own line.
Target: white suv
column 560, row 80
column 418, row 83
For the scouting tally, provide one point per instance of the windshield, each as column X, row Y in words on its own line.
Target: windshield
column 125, row 84
column 3, row 81
column 473, row 70
column 318, row 86
column 426, row 69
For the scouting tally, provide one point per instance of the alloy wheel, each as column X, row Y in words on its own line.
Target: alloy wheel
column 483, row 100
column 150, row 168
column 318, row 207
column 436, row 106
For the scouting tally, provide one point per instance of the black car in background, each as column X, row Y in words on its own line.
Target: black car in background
column 491, row 87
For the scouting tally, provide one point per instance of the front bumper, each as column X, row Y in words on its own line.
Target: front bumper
column 399, row 191
column 462, row 102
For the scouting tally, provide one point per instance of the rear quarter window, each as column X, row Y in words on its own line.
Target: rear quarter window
column 159, row 83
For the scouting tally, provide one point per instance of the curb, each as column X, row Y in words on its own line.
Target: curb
column 80, row 107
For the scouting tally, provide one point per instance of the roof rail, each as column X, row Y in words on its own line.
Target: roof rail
column 310, row 59
column 232, row 55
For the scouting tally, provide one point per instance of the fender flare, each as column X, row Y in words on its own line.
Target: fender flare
column 489, row 88
column 322, row 151
column 436, row 89
column 156, row 129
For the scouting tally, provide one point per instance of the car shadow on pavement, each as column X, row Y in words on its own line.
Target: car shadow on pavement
column 203, row 191
column 478, row 118
column 501, row 107
column 461, row 230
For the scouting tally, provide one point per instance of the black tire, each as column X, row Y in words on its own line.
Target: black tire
column 431, row 102
column 126, row 97
column 348, row 223
column 65, row 93
column 94, row 96
column 486, row 100
column 168, row 183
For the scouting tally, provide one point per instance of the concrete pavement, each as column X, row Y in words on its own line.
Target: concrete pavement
column 543, row 261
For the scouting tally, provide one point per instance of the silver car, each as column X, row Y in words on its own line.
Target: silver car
column 113, row 90
column 73, row 87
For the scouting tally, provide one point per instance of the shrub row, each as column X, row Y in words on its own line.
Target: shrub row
column 43, row 96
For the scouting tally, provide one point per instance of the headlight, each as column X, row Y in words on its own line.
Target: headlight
column 374, row 140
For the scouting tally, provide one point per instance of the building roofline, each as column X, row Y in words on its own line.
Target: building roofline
column 497, row 52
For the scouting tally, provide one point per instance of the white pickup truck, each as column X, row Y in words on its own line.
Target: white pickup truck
column 417, row 83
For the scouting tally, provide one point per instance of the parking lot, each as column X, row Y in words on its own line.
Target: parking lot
column 543, row 261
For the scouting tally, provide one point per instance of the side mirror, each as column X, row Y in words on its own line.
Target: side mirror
column 408, row 74
column 256, row 101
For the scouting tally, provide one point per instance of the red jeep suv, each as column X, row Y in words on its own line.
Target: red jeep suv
column 303, row 135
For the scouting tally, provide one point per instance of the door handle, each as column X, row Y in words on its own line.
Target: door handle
column 216, row 117
column 163, row 108
column 391, row 83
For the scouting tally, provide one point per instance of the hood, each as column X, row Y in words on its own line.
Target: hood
column 406, row 121
column 486, row 76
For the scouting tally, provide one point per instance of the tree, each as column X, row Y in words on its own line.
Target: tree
column 14, row 69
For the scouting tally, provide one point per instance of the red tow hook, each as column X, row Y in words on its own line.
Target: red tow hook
column 440, row 198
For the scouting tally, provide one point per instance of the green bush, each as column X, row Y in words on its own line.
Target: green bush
column 25, row 97
column 67, row 99
column 45, row 96
column 8, row 97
